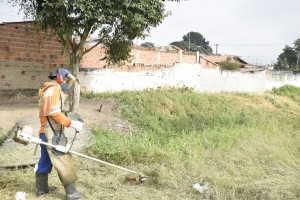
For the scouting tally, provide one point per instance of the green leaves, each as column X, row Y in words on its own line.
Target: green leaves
column 229, row 65
column 194, row 41
column 119, row 21
column 2, row 136
column 147, row 44
column 289, row 58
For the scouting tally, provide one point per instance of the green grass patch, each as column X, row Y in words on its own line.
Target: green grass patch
column 288, row 91
column 2, row 136
column 244, row 145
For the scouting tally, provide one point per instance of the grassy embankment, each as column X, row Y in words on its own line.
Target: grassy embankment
column 246, row 146
column 2, row 136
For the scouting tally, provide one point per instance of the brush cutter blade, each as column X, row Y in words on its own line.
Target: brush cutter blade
column 135, row 178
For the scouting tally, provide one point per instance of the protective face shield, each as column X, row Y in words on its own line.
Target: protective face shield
column 65, row 86
column 68, row 82
column 68, row 78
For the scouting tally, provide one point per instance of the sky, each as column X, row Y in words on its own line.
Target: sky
column 254, row 30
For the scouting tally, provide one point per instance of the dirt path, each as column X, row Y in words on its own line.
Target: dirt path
column 19, row 110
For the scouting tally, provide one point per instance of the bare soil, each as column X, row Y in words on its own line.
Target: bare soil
column 20, row 109
column 95, row 112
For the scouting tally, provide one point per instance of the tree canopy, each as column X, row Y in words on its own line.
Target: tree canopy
column 290, row 57
column 184, row 45
column 194, row 41
column 147, row 44
column 117, row 22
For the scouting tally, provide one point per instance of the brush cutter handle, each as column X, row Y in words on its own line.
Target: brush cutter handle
column 76, row 132
column 77, row 124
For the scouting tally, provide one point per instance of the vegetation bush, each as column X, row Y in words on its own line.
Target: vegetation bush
column 290, row 91
column 229, row 65
column 2, row 136
column 244, row 145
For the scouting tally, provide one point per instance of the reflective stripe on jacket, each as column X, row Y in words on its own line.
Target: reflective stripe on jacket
column 50, row 103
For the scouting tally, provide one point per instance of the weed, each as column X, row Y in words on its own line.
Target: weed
column 2, row 136
column 242, row 144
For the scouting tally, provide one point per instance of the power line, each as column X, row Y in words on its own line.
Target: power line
column 4, row 14
column 275, row 44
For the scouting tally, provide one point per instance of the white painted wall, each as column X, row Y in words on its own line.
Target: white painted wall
column 185, row 75
column 281, row 78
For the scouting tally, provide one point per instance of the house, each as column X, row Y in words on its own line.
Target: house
column 217, row 59
column 207, row 63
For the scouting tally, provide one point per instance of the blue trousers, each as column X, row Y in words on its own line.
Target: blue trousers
column 44, row 164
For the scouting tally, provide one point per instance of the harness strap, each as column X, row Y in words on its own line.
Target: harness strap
column 61, row 127
column 54, row 132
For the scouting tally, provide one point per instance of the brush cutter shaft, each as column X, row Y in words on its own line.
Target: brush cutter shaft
column 101, row 161
column 91, row 158
column 24, row 137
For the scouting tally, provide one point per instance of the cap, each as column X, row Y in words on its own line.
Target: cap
column 60, row 71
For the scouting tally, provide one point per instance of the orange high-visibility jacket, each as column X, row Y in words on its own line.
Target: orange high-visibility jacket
column 50, row 102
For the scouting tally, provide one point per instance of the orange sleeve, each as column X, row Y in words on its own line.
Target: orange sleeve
column 61, row 119
column 43, row 121
column 58, row 117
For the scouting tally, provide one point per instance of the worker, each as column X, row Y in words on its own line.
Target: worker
column 53, row 120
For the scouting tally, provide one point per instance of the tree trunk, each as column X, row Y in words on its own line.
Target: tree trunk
column 75, row 91
column 75, row 97
column 73, row 52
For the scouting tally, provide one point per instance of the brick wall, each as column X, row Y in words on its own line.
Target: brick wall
column 27, row 57
column 18, row 42
column 16, row 75
column 139, row 57
column 93, row 58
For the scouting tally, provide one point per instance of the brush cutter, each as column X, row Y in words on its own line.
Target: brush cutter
column 24, row 135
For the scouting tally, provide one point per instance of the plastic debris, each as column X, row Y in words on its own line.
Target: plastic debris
column 20, row 196
column 201, row 189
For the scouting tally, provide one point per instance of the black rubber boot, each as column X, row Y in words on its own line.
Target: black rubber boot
column 72, row 193
column 41, row 181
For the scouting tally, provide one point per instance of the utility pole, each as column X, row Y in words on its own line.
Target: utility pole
column 297, row 60
column 189, row 41
column 216, row 48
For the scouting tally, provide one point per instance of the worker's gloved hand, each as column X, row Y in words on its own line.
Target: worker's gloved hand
column 77, row 125
column 62, row 148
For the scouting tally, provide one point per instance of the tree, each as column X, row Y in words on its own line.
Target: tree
column 197, row 39
column 147, row 44
column 184, row 45
column 119, row 22
column 289, row 58
column 194, row 41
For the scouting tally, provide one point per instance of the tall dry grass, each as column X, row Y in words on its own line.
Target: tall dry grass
column 246, row 146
